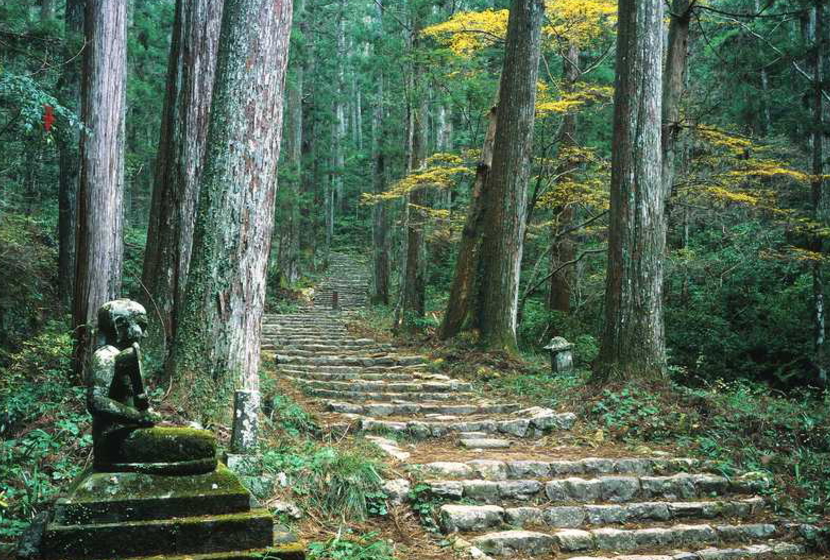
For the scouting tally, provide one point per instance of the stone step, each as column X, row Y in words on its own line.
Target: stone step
column 280, row 552
column 179, row 535
column 384, row 386
column 467, row 518
column 533, row 422
column 365, row 345
column 413, row 369
column 512, row 470
column 303, row 342
column 386, row 397
column 343, row 351
column 349, row 360
column 323, row 375
column 622, row 540
column 413, row 408
column 769, row 550
column 604, row 489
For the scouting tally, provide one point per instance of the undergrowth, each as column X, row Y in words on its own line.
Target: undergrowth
column 44, row 428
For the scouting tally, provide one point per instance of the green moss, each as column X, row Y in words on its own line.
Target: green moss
column 167, row 445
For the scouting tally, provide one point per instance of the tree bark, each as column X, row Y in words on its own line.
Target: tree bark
column 100, row 247
column 633, row 344
column 504, row 214
column 673, row 80
column 289, row 253
column 461, row 305
column 69, row 150
column 559, row 295
column 820, row 198
column 179, row 164
column 217, row 344
column 412, row 303
column 380, row 211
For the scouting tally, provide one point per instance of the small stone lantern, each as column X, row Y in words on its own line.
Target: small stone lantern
column 561, row 355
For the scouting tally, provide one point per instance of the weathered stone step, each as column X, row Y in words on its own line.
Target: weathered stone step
column 413, row 368
column 505, row 470
column 408, row 407
column 343, row 351
column 604, row 489
column 527, row 423
column 466, row 518
column 386, row 397
column 325, row 361
column 363, row 345
column 767, row 551
column 345, row 376
column 179, row 535
column 622, row 540
column 384, row 386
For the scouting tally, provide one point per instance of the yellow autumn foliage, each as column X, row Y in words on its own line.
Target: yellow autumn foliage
column 576, row 22
column 567, row 102
column 441, row 171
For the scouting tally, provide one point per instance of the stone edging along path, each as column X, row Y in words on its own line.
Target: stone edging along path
column 503, row 494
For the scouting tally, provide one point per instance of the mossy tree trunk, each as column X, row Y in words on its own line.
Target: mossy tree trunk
column 69, row 150
column 179, row 165
column 633, row 343
column 217, row 344
column 100, row 247
column 461, row 305
column 504, row 214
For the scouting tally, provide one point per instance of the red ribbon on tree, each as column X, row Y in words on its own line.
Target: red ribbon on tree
column 48, row 117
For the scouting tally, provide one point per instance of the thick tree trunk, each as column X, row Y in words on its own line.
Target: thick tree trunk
column 69, row 150
column 217, row 344
column 559, row 295
column 461, row 306
column 289, row 253
column 412, row 303
column 673, row 80
column 179, row 164
column 820, row 198
column 380, row 211
column 504, row 214
column 633, row 344
column 100, row 248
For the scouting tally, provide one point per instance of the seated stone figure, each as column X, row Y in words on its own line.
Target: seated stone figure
column 124, row 432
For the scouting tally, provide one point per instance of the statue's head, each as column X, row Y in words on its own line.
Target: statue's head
column 121, row 322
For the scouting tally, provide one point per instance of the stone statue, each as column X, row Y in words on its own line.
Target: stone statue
column 123, row 432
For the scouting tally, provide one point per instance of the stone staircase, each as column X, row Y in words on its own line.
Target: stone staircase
column 500, row 487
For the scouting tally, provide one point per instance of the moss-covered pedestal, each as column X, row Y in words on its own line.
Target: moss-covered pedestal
column 120, row 515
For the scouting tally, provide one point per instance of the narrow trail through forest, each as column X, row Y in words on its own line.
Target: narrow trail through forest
column 505, row 487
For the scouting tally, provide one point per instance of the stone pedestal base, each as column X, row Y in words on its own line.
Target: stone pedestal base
column 137, row 515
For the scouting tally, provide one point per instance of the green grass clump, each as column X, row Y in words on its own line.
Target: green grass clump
column 350, row 547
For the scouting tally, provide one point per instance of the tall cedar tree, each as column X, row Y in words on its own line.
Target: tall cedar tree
column 633, row 343
column 503, row 221
column 179, row 164
column 69, row 146
column 217, row 347
column 380, row 211
column 100, row 247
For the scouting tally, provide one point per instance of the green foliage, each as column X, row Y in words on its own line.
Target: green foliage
column 28, row 264
column 740, row 425
column 331, row 480
column 351, row 547
column 44, row 439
